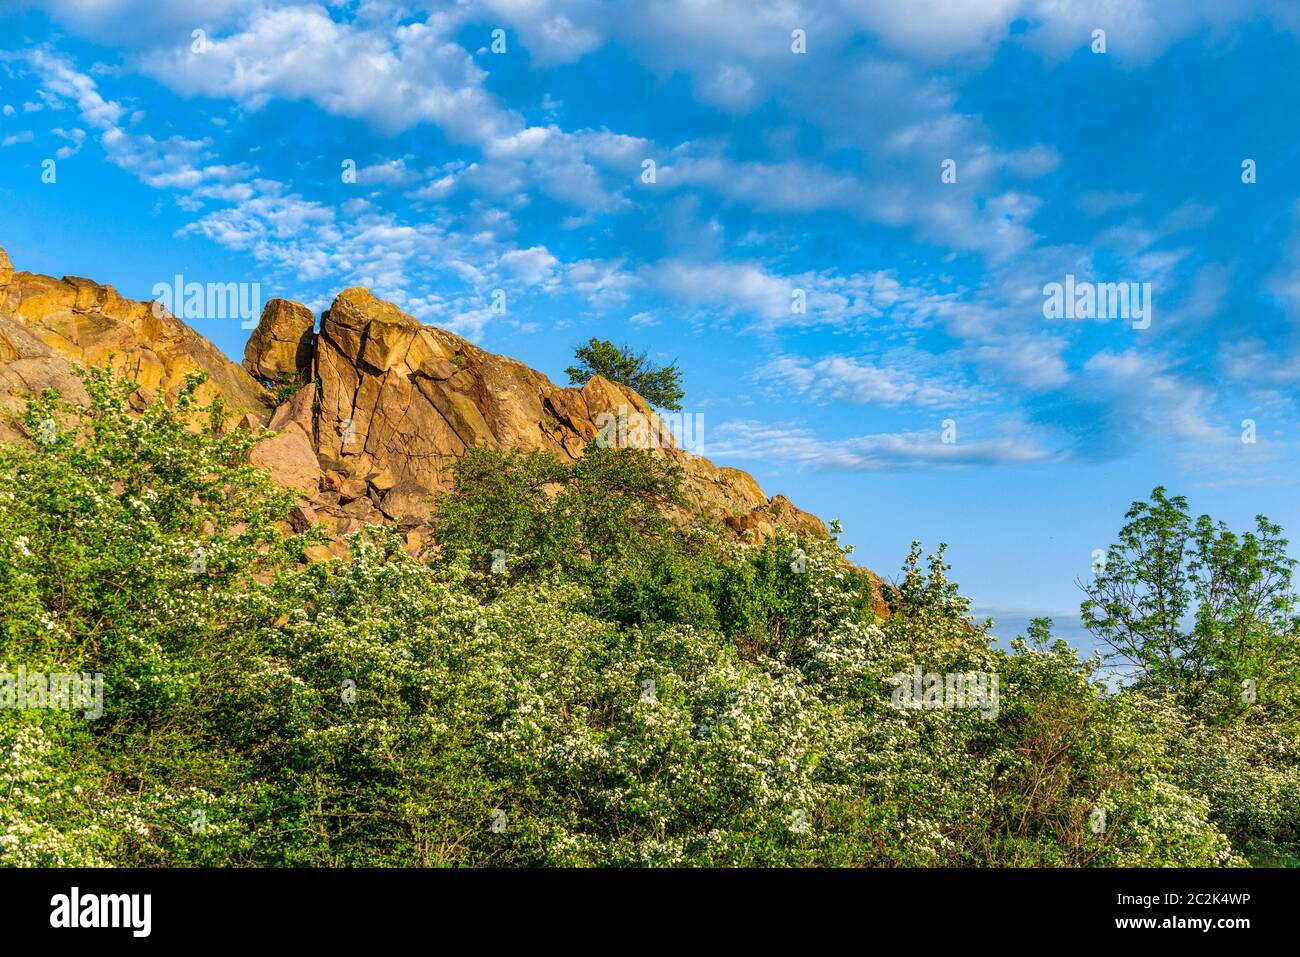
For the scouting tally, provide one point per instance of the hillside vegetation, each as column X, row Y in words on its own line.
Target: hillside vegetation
column 570, row 679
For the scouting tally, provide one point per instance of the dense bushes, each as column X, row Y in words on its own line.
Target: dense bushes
column 569, row 681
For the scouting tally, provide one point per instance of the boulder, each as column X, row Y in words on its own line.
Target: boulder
column 413, row 543
column 363, row 511
column 407, row 502
column 289, row 457
column 352, row 488
column 246, row 422
column 381, row 481
column 303, row 517
column 280, row 347
column 28, row 367
column 296, row 412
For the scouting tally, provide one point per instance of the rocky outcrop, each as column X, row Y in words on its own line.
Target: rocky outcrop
column 386, row 404
column 297, row 413
column 48, row 325
column 403, row 398
column 400, row 401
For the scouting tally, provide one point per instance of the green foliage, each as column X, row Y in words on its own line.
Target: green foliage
column 1206, row 618
column 530, row 514
column 623, row 693
column 130, row 546
column 658, row 385
column 128, row 539
column 1246, row 768
column 285, row 386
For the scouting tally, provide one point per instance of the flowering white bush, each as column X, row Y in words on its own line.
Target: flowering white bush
column 633, row 696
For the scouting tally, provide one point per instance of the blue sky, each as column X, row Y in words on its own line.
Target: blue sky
column 220, row 158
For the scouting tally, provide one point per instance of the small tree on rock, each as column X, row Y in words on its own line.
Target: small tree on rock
column 659, row 385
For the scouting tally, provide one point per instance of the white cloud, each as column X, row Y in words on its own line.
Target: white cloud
column 534, row 266
column 1157, row 401
column 730, row 286
column 395, row 79
column 731, row 87
column 882, row 451
column 391, row 173
column 789, row 187
column 898, row 379
column 75, row 137
column 569, row 167
column 144, row 21
column 936, row 29
column 552, row 32
column 62, row 79
column 1101, row 203
column 1034, row 362
column 751, row 290
column 603, row 283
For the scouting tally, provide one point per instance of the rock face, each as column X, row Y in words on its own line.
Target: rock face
column 47, row 325
column 386, row 406
column 400, row 397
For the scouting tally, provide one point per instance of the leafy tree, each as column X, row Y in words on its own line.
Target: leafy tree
column 498, row 506
column 658, row 385
column 1188, row 602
